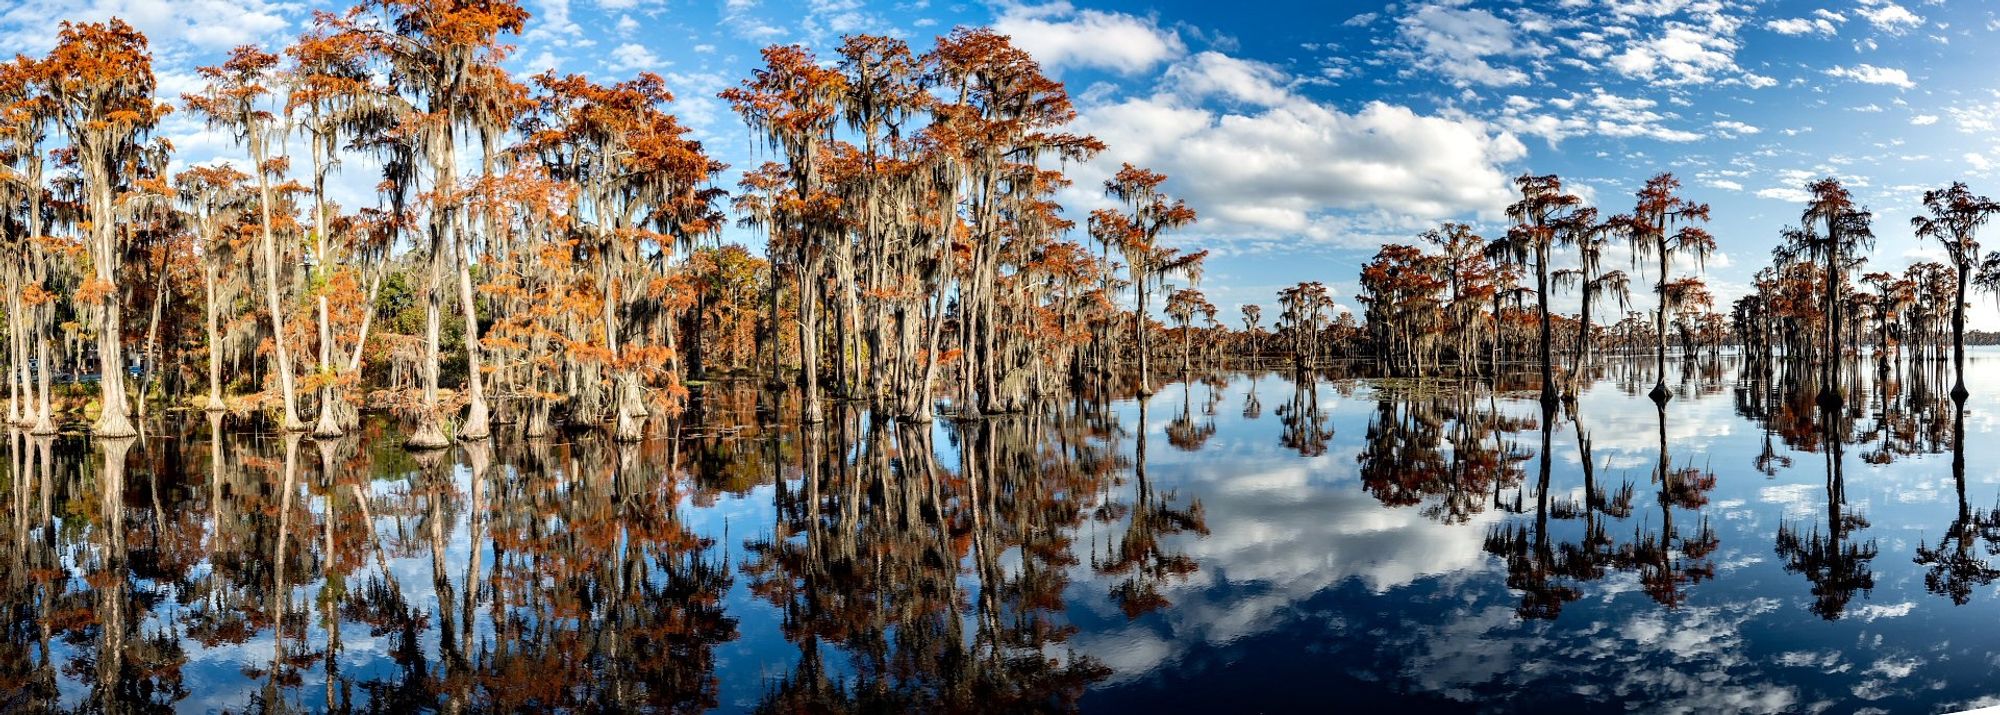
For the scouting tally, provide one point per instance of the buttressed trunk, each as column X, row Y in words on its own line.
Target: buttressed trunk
column 114, row 420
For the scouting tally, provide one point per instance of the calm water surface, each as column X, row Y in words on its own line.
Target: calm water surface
column 1249, row 541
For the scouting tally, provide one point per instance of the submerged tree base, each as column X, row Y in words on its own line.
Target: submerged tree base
column 113, row 425
column 476, row 421
column 427, row 436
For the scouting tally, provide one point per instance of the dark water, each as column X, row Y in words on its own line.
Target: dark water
column 1250, row 541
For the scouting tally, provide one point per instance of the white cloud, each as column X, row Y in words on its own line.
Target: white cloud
column 1213, row 74
column 551, row 20
column 1633, row 117
column 1870, row 74
column 1458, row 41
column 1647, row 8
column 1875, row 611
column 1683, row 54
column 542, row 62
column 1060, row 36
column 1924, row 120
column 207, row 26
column 1283, row 167
column 695, row 99
column 827, row 20
column 1976, row 117
column 1604, row 114
column 633, row 57
column 1802, row 26
column 1888, row 16
column 1736, row 128
column 1792, row 195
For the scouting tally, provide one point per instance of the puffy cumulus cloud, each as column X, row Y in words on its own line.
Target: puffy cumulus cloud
column 1733, row 128
column 1787, row 194
column 1284, row 164
column 1662, row 42
column 1924, row 120
column 828, row 20
column 1643, row 8
column 1458, row 42
column 1870, row 74
column 741, row 18
column 1060, row 36
column 1976, row 117
column 1600, row 113
column 1683, row 53
column 1804, row 25
column 1888, row 16
column 695, row 99
column 633, row 57
column 205, row 26
column 1633, row 117
column 552, row 22
column 1213, row 74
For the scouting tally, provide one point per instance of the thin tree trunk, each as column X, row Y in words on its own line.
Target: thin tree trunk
column 1548, row 353
column 281, row 354
column 214, row 320
column 1958, row 335
column 429, row 434
column 152, row 339
column 1660, row 393
column 477, row 418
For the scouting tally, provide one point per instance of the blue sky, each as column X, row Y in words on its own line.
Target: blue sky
column 1307, row 133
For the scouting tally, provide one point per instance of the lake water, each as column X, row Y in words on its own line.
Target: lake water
column 1249, row 541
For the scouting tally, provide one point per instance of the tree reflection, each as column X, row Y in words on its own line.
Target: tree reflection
column 1184, row 432
column 1550, row 574
column 76, row 582
column 1909, row 419
column 28, row 678
column 894, row 561
column 1141, row 556
column 1253, row 408
column 1443, row 451
column 1669, row 559
column 1952, row 569
column 1832, row 559
column 1594, row 552
column 1304, row 426
column 600, row 596
column 1534, row 568
column 560, row 576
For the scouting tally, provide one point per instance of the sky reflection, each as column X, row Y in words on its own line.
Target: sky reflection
column 1249, row 540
